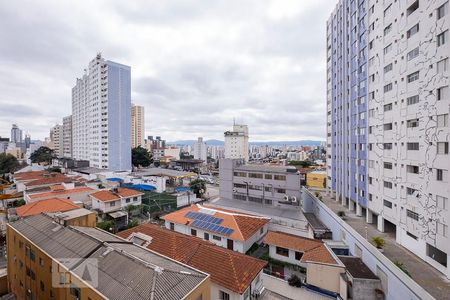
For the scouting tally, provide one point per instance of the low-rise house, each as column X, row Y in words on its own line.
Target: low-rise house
column 39, row 179
column 234, row 276
column 107, row 201
column 361, row 282
column 75, row 217
column 323, row 268
column 229, row 229
column 61, row 191
column 45, row 206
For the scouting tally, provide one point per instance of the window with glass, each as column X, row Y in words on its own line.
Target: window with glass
column 412, row 31
column 442, row 38
column 412, row 146
column 442, row 120
column 387, row 203
column 413, row 77
column 282, row 251
column 442, row 10
column 442, row 148
column 413, row 53
column 413, row 215
column 442, row 93
column 412, row 100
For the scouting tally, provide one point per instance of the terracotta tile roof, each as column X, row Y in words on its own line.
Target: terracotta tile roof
column 230, row 269
column 29, row 175
column 48, row 205
column 58, row 192
column 244, row 225
column 313, row 250
column 108, row 195
column 53, row 178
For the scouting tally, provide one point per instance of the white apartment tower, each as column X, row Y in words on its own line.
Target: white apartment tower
column 67, row 136
column 200, row 150
column 101, row 115
column 388, row 119
column 137, row 126
column 236, row 142
column 56, row 138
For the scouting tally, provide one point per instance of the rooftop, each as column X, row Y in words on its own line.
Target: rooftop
column 125, row 271
column 314, row 222
column 356, row 268
column 110, row 195
column 230, row 269
column 75, row 213
column 60, row 192
column 163, row 172
column 50, row 178
column 313, row 250
column 45, row 206
column 243, row 225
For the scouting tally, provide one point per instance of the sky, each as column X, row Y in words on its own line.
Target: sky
column 195, row 65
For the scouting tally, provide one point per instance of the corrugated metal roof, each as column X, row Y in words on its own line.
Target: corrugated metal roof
column 125, row 270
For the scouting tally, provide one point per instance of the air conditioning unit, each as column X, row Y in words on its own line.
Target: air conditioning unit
column 286, row 198
column 234, row 190
column 294, row 199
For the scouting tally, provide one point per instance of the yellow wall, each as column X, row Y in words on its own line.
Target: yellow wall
column 317, row 180
column 89, row 220
column 324, row 276
column 202, row 290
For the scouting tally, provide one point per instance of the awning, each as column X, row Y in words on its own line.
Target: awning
column 117, row 214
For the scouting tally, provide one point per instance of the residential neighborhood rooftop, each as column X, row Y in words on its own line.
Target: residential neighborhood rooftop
column 267, row 168
column 227, row 268
column 125, row 270
column 46, row 206
column 59, row 190
column 356, row 268
column 313, row 250
column 114, row 195
column 243, row 225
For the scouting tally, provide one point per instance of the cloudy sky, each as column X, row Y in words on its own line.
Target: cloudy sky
column 196, row 65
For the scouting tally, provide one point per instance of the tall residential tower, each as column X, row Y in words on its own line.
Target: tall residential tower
column 101, row 115
column 388, row 123
column 236, row 142
column 137, row 126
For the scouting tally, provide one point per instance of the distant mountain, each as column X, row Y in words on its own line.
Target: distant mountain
column 269, row 143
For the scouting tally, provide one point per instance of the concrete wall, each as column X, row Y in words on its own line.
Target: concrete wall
column 397, row 285
column 364, row 289
column 324, row 276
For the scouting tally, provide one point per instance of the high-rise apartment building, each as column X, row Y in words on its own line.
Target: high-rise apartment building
column 137, row 126
column 16, row 134
column 56, row 138
column 236, row 142
column 101, row 115
column 200, row 150
column 67, row 136
column 388, row 124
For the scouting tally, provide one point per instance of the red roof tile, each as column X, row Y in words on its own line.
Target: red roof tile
column 230, row 269
column 244, row 225
column 45, row 206
column 109, row 195
column 313, row 250
column 60, row 192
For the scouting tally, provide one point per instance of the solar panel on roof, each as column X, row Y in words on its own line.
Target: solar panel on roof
column 203, row 217
column 212, row 227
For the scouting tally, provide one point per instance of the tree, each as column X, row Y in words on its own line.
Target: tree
column 42, row 155
column 198, row 186
column 8, row 163
column 302, row 163
column 141, row 157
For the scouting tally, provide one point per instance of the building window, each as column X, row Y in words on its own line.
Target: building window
column 442, row 202
column 268, row 176
column 442, row 148
column 172, row 226
column 239, row 197
column 206, row 236
column 280, row 191
column 279, row 177
column 388, row 107
column 442, row 229
column 42, row 287
column 441, row 175
column 387, row 184
column 413, row 7
column 442, row 66
column 41, row 262
column 298, row 255
column 255, row 199
column 387, row 146
column 411, row 191
column 442, row 93
column 112, row 203
column 387, row 126
column 255, row 175
column 412, row 169
column 442, row 38
column 224, row 296
column 412, row 123
column 412, row 100
column 412, row 215
column 442, row 10
column 412, row 31
column 388, row 165
column 282, row 251
column 240, row 174
column 387, row 203
column 388, row 68
column 436, row 254
column 217, row 238
column 442, row 120
column 413, row 77
column 413, row 53
column 412, row 146
column 387, row 29
column 193, row 232
column 387, row 87
column 411, row 235
column 128, row 200
column 75, row 291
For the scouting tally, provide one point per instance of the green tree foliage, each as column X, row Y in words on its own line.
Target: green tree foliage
column 54, row 169
column 302, row 163
column 8, row 163
column 132, row 223
column 42, row 155
column 198, row 186
column 107, row 225
column 141, row 157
